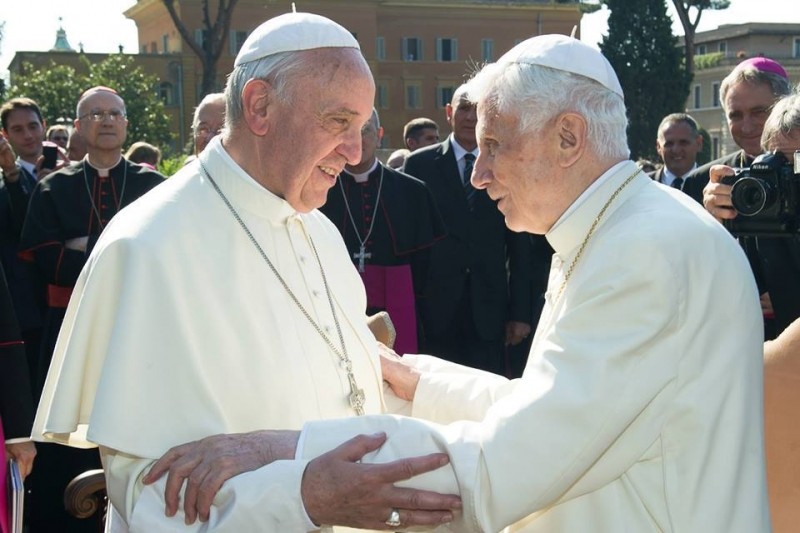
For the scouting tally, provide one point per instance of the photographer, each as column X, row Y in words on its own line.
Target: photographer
column 775, row 260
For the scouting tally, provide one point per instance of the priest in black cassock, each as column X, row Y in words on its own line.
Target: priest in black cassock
column 388, row 220
column 68, row 210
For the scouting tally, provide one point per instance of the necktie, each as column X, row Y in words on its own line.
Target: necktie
column 677, row 183
column 469, row 162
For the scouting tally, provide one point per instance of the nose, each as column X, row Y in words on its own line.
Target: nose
column 351, row 147
column 481, row 173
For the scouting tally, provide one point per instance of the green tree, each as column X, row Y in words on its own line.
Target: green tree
column 214, row 41
column 690, row 25
column 642, row 49
column 147, row 120
column 56, row 89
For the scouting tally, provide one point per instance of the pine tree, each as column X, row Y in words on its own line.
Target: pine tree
column 642, row 49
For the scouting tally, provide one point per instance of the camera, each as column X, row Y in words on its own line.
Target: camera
column 766, row 197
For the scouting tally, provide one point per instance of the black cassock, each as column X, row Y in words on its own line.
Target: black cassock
column 395, row 263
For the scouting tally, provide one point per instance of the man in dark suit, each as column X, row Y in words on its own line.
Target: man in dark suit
column 472, row 304
column 678, row 143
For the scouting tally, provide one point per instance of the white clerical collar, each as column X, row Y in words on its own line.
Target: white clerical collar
column 102, row 172
column 240, row 187
column 669, row 177
column 31, row 168
column 588, row 192
column 364, row 176
column 458, row 150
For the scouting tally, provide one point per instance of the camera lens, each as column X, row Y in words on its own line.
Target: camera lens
column 750, row 196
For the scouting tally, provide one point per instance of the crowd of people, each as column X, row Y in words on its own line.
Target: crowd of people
column 204, row 340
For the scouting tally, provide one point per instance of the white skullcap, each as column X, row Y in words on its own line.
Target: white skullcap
column 293, row 32
column 567, row 54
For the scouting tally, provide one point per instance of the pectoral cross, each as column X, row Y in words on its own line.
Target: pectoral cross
column 361, row 255
column 356, row 397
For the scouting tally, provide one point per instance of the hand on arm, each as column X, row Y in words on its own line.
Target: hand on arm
column 516, row 332
column 62, row 162
column 23, row 453
column 401, row 378
column 716, row 195
column 207, row 463
column 338, row 489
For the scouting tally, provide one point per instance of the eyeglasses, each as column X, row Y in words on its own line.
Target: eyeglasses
column 57, row 138
column 205, row 131
column 99, row 116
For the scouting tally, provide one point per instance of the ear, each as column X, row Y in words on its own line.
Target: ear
column 572, row 131
column 699, row 142
column 448, row 112
column 380, row 135
column 77, row 124
column 256, row 98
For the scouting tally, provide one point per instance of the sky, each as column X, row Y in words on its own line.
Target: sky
column 31, row 25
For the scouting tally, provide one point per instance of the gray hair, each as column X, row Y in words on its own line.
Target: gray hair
column 537, row 94
column 207, row 100
column 277, row 69
column 778, row 85
column 785, row 117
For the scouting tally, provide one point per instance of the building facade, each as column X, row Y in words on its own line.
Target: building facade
column 419, row 51
column 718, row 52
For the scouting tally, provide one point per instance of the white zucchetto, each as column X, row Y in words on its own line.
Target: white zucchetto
column 294, row 32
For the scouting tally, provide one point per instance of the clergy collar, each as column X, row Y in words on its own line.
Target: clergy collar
column 572, row 227
column 240, row 188
column 364, row 176
column 102, row 172
column 458, row 150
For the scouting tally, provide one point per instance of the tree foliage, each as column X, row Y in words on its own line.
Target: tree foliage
column 215, row 37
column 641, row 48
column 689, row 24
column 56, row 89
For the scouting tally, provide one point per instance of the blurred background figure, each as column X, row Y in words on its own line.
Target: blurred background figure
column 420, row 132
column 144, row 154
column 58, row 134
column 397, row 158
column 209, row 118
column 76, row 146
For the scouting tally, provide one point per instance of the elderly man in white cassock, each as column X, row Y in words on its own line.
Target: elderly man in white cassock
column 226, row 303
column 640, row 408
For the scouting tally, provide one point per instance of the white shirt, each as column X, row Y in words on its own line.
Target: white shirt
column 459, row 152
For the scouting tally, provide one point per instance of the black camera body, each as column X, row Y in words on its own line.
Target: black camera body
column 766, row 197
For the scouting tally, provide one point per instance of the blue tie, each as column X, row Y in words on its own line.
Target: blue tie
column 469, row 162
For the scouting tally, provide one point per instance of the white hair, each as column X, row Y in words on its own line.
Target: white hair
column 537, row 94
column 277, row 69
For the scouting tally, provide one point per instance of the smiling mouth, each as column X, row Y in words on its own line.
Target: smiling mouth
column 330, row 171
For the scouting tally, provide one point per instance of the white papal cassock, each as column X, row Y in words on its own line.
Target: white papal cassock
column 641, row 406
column 178, row 330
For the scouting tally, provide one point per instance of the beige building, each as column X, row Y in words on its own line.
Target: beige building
column 718, row 52
column 419, row 51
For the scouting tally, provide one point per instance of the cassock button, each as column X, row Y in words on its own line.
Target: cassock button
column 302, row 259
column 327, row 329
column 315, row 294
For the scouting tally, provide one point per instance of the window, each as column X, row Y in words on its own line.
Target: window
column 413, row 95
column 722, row 47
column 412, row 49
column 165, row 44
column 380, row 48
column 715, row 94
column 796, row 51
column 201, row 37
column 237, row 39
column 144, row 48
column 446, row 49
column 153, row 48
column 700, row 49
column 382, row 96
column 487, row 50
column 715, row 148
column 444, row 95
column 166, row 93
column 696, row 93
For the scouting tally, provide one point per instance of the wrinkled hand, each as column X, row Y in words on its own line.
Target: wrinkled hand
column 23, row 453
column 339, row 490
column 716, row 195
column 207, row 463
column 8, row 160
column 402, row 379
column 516, row 332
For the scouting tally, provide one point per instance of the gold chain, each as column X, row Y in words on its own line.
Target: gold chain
column 591, row 232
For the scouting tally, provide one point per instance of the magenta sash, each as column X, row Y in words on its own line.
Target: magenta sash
column 391, row 288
